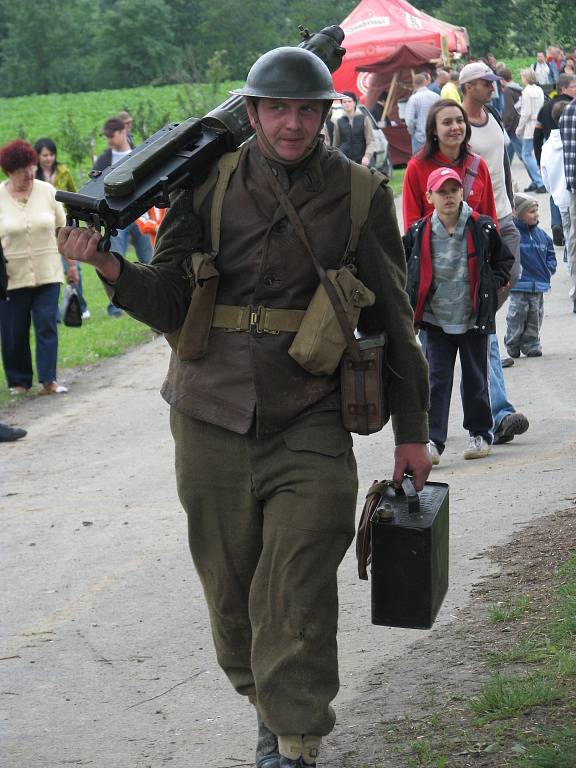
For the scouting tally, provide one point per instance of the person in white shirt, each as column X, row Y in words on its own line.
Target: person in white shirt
column 531, row 103
column 488, row 141
column 119, row 147
column 542, row 70
column 417, row 109
column 554, row 178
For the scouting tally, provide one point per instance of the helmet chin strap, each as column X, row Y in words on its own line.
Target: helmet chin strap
column 269, row 151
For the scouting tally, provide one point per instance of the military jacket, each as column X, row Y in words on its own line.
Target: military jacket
column 248, row 377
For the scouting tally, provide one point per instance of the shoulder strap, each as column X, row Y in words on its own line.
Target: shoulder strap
column 470, row 175
column 218, row 180
column 363, row 185
column 294, row 219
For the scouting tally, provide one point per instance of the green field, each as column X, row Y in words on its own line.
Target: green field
column 75, row 119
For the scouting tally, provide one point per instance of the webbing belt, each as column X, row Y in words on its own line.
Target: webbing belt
column 256, row 319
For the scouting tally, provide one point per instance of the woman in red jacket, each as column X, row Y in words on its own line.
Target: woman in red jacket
column 447, row 134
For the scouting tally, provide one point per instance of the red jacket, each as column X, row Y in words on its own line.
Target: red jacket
column 489, row 264
column 414, row 203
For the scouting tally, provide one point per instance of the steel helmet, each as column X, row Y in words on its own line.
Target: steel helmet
column 289, row 73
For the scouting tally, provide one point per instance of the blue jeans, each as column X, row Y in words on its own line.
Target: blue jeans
column 142, row 243
column 530, row 162
column 416, row 145
column 441, row 351
column 515, row 147
column 23, row 307
column 500, row 404
column 555, row 216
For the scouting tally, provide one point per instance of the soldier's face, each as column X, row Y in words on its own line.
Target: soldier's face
column 290, row 125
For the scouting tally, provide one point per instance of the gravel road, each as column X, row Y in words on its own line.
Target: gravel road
column 106, row 652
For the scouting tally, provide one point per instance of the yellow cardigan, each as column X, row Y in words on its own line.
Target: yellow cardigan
column 28, row 236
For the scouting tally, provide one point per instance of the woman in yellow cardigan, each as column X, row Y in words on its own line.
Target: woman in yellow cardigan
column 29, row 216
column 57, row 174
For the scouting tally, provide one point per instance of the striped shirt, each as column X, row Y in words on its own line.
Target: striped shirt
column 417, row 110
column 568, row 134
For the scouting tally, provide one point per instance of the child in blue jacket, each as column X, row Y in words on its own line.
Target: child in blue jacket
column 538, row 259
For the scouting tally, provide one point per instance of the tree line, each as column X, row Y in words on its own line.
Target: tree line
column 63, row 46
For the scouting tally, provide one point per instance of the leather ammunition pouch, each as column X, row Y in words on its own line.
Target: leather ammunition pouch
column 364, row 386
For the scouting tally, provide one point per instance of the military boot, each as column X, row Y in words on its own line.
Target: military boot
column 267, row 755
column 303, row 751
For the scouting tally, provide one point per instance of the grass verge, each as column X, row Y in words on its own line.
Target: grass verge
column 99, row 337
column 515, row 706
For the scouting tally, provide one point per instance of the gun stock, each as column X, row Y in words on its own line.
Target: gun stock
column 179, row 154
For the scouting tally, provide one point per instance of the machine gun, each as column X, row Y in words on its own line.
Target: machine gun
column 177, row 155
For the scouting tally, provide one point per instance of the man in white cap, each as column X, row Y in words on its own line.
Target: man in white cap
column 488, row 141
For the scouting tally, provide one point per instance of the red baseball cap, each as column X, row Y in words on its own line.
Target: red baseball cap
column 439, row 176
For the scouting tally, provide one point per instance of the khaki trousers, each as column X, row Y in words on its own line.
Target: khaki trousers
column 269, row 523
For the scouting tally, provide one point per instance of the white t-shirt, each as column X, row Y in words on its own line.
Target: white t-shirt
column 488, row 142
column 116, row 156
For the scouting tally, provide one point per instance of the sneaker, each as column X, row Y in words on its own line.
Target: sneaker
column 114, row 311
column 534, row 353
column 86, row 314
column 18, row 391
column 477, row 448
column 507, row 362
column 9, row 434
column 532, row 188
column 512, row 424
column 53, row 388
column 541, row 190
column 515, row 353
column 434, row 453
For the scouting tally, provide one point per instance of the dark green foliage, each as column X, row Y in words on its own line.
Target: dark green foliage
column 58, row 46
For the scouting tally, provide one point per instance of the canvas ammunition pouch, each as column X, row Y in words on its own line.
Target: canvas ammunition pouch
column 320, row 342
column 190, row 341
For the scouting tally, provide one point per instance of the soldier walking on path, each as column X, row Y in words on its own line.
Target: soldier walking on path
column 264, row 467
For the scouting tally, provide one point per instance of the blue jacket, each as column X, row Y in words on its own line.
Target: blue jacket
column 537, row 258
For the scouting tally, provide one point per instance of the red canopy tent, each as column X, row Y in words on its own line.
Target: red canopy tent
column 377, row 28
column 385, row 41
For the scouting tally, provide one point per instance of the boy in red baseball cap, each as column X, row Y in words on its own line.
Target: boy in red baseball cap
column 456, row 265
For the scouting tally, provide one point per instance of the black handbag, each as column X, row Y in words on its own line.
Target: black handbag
column 70, row 309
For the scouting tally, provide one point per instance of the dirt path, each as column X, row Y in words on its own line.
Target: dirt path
column 106, row 652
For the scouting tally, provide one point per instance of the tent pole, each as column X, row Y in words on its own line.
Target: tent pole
column 390, row 96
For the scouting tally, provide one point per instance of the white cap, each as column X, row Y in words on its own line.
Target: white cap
column 476, row 71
